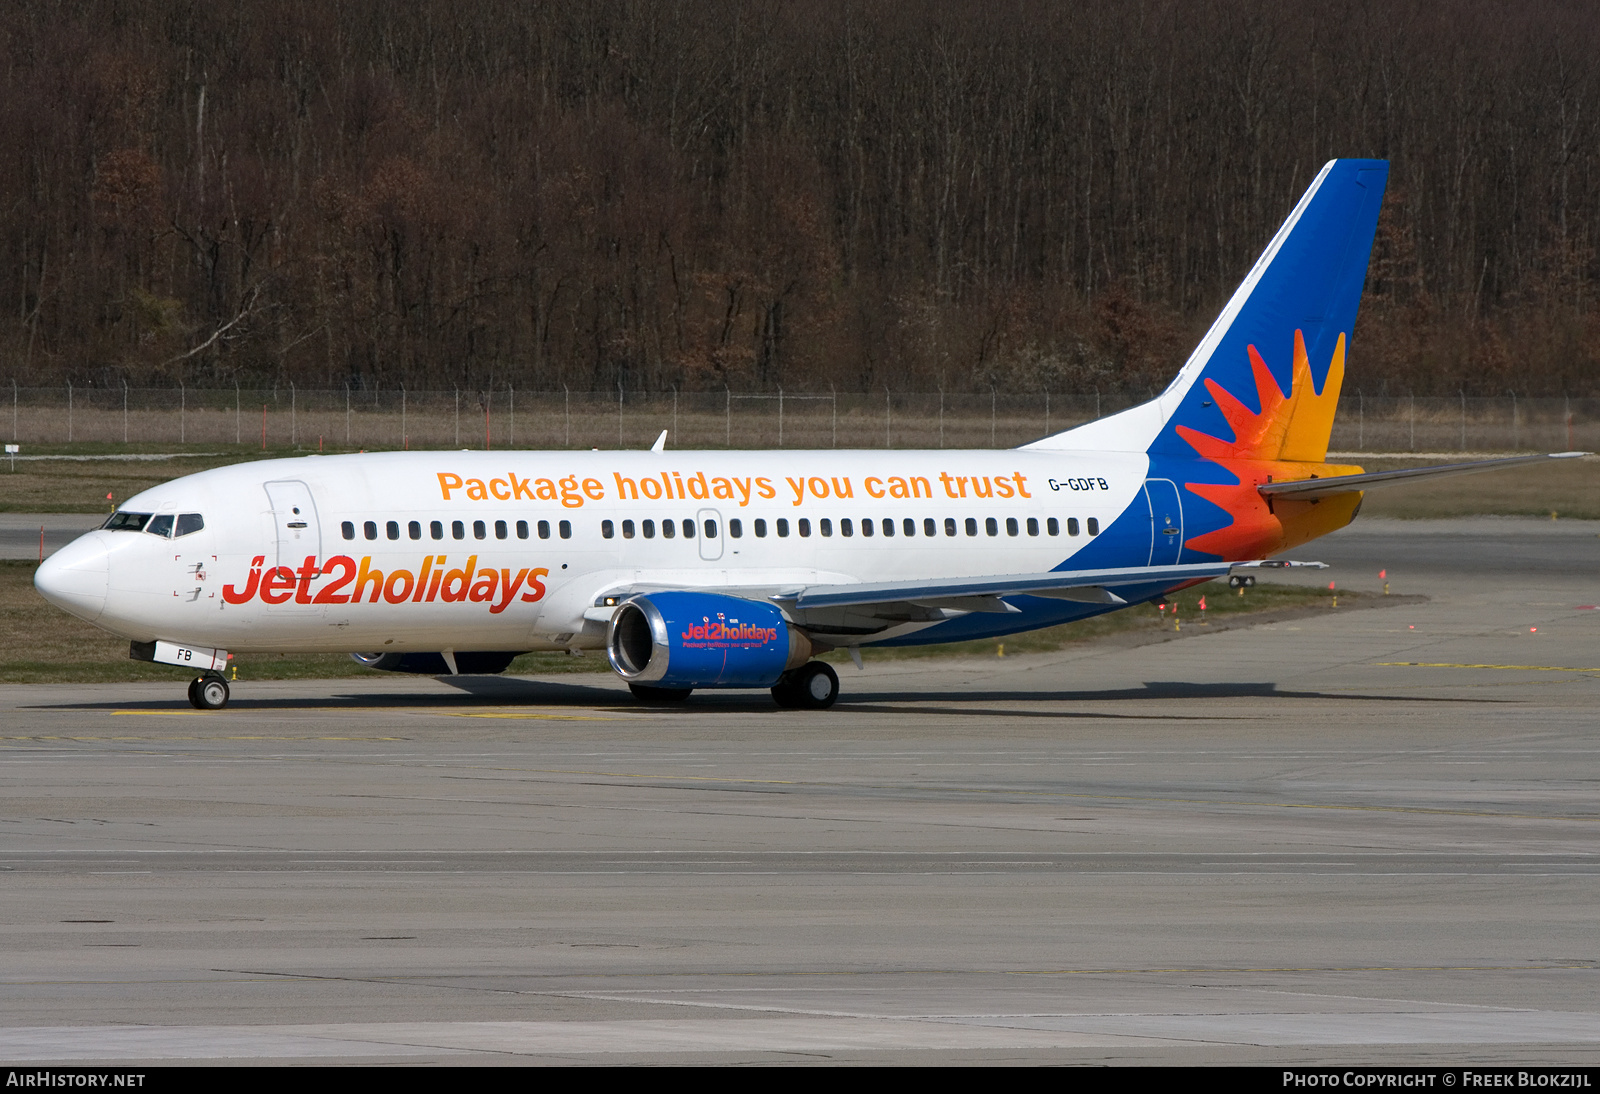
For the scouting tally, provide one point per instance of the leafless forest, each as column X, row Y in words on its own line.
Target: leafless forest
column 746, row 194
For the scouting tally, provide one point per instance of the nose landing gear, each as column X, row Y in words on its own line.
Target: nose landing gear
column 208, row 692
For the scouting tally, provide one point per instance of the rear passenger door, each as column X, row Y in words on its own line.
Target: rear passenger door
column 1166, row 521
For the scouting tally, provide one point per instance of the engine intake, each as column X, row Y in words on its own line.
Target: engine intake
column 702, row 640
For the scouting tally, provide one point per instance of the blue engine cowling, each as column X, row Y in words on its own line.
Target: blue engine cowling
column 702, row 640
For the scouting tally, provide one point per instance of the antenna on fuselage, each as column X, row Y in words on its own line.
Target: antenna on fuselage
column 661, row 443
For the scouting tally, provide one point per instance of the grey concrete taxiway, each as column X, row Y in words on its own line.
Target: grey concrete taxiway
column 1362, row 836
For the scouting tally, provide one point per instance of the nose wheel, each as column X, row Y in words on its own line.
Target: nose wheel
column 812, row 686
column 208, row 693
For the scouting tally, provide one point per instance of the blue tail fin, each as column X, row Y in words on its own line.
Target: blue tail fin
column 1303, row 289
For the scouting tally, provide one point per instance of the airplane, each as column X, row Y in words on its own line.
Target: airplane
column 703, row 569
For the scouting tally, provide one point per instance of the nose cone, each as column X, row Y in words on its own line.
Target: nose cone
column 74, row 578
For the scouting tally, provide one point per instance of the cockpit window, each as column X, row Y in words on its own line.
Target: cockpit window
column 188, row 522
column 126, row 522
column 160, row 525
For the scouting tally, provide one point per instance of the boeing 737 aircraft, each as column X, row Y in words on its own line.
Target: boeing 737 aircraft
column 732, row 569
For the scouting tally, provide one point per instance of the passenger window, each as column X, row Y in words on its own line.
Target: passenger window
column 649, row 529
column 783, row 526
column 160, row 525
column 436, row 529
column 711, row 529
column 991, row 526
column 479, row 531
column 688, row 529
column 669, row 529
column 803, row 526
column 761, row 528
column 500, row 530
column 888, row 526
column 566, row 529
column 369, row 528
column 735, row 528
column 627, row 529
column 847, row 527
column 825, row 526
column 866, row 526
column 608, row 530
column 458, row 530
column 414, row 529
column 1033, row 526
column 544, row 529
column 522, row 530
column 188, row 522
column 949, row 526
column 347, row 530
column 1072, row 526
column 1094, row 526
column 972, row 526
column 392, row 529
column 1011, row 526
column 929, row 526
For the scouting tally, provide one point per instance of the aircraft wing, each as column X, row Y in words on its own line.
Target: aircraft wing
column 1311, row 489
column 986, row 593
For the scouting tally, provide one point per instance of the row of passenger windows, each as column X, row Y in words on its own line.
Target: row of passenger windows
column 669, row 529
column 847, row 527
column 458, row 529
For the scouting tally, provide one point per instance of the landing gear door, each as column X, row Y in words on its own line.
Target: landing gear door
column 1166, row 522
column 294, row 517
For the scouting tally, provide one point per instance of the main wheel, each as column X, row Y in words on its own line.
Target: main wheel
column 647, row 694
column 209, row 693
column 812, row 686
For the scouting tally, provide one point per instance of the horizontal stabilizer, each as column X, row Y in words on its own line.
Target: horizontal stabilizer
column 1311, row 489
column 1280, row 564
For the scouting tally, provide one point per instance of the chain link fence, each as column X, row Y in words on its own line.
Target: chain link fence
column 346, row 419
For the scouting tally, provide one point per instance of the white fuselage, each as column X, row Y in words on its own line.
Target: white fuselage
column 407, row 551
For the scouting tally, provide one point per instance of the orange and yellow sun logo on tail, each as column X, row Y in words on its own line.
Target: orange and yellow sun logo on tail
column 1286, row 440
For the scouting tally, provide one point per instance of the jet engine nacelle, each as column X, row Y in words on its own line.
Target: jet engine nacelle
column 702, row 640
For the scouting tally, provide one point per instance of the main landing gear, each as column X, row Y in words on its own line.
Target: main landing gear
column 812, row 686
column 208, row 692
